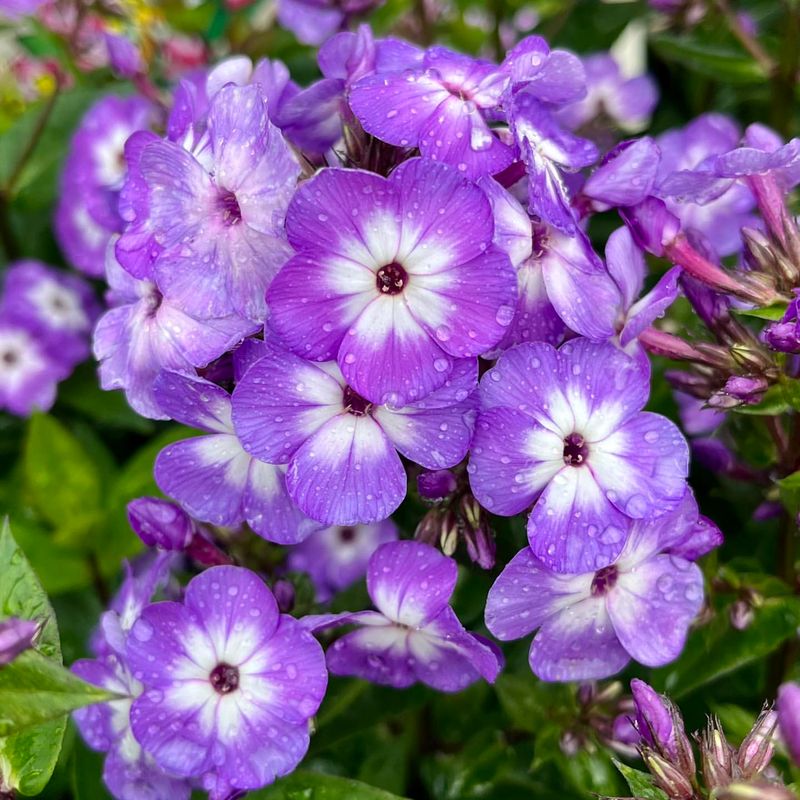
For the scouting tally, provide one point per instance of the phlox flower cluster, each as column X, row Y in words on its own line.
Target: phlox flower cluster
column 388, row 275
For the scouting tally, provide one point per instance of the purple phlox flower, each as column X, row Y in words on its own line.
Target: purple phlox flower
column 212, row 476
column 626, row 265
column 315, row 21
column 784, row 336
column 124, row 56
column 547, row 149
column 144, row 332
column 625, row 176
column 217, row 212
column 442, row 107
column 341, row 449
column 28, row 374
column 337, row 557
column 128, row 772
column 627, row 101
column 16, row 636
column 414, row 635
column 12, row 9
column 564, row 429
column 789, row 718
column 229, row 683
column 93, row 174
column 718, row 213
column 60, row 309
column 162, row 524
column 590, row 625
column 395, row 278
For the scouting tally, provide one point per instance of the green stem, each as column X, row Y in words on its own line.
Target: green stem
column 784, row 77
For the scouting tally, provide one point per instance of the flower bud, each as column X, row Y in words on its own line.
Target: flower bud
column 284, row 593
column 654, row 719
column 667, row 776
column 16, row 636
column 757, row 749
column 448, row 532
column 477, row 533
column 783, row 337
column 717, row 756
column 436, row 486
column 741, row 615
column 160, row 523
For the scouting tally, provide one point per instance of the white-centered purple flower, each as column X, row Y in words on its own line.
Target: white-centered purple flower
column 60, row 309
column 93, row 175
column 337, row 557
column 564, row 429
column 229, row 683
column 439, row 106
column 395, row 278
column 216, row 212
column 212, row 476
column 143, row 333
column 590, row 625
column 341, row 449
column 28, row 374
column 414, row 635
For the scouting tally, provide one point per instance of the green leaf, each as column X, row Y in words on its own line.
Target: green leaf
column 34, row 689
column 528, row 702
column 772, row 313
column 30, row 756
column 717, row 649
column 791, row 392
column 304, row 785
column 61, row 478
column 640, row 783
column 721, row 63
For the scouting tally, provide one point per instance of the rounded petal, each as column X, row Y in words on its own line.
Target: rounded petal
column 526, row 594
column 193, row 401
column 578, row 644
column 410, row 582
column 512, row 460
column 573, row 527
column 347, row 473
column 652, row 606
column 642, row 466
column 378, row 654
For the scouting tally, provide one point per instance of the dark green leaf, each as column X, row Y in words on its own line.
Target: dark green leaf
column 720, row 63
column 772, row 313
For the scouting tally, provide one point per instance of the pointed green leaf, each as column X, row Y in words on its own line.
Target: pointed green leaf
column 640, row 783
column 304, row 785
column 34, row 689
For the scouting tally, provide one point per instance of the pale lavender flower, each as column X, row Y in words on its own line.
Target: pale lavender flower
column 16, row 636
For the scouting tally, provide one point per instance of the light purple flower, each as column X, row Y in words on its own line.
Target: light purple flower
column 414, row 635
column 564, row 428
column 144, row 333
column 229, row 683
column 16, row 636
column 720, row 218
column 628, row 102
column 395, row 278
column 655, row 721
column 591, row 624
column 789, row 718
column 124, row 56
column 784, row 335
column 341, row 449
column 439, row 106
column 216, row 213
column 212, row 476
column 28, row 375
column 59, row 308
column 95, row 169
column 337, row 557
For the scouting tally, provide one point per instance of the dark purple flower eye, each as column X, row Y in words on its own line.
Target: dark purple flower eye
column 604, row 580
column 391, row 279
column 575, row 450
column 228, row 207
column 355, row 404
column 224, row 678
